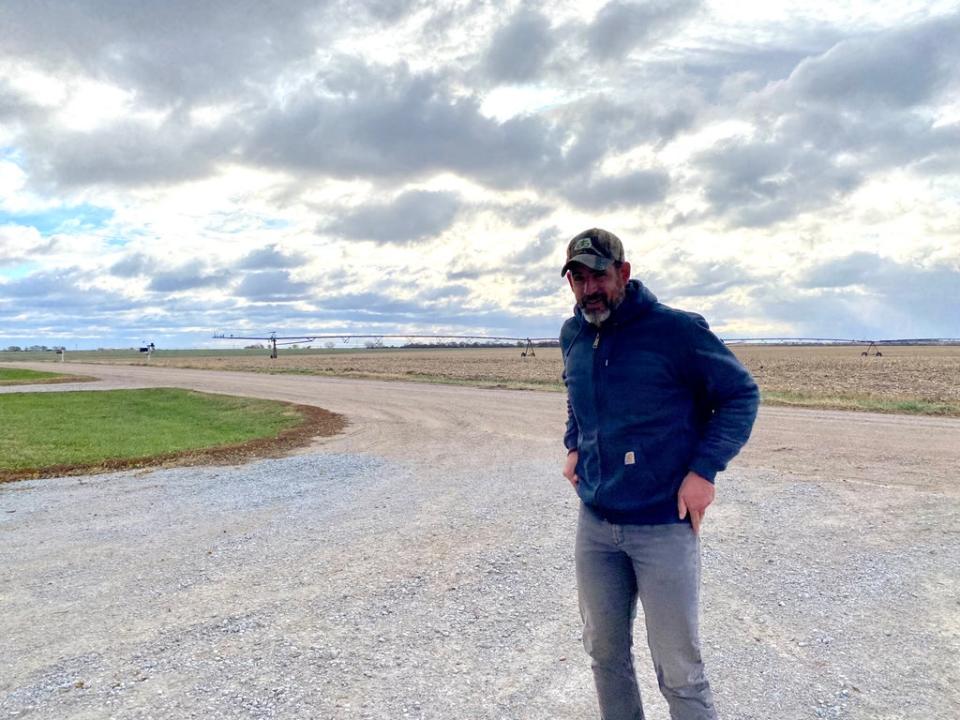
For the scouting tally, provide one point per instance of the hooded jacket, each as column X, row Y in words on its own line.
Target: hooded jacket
column 651, row 395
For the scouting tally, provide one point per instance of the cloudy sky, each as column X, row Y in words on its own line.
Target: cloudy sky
column 173, row 169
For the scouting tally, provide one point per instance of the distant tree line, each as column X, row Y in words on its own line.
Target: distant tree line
column 34, row 348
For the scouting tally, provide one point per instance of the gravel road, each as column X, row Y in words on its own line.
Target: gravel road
column 420, row 566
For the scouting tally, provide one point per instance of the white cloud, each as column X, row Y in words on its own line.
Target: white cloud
column 398, row 163
column 19, row 244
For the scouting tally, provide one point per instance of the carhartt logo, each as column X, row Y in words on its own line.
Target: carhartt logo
column 584, row 244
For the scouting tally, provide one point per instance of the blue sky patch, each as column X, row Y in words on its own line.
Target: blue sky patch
column 66, row 220
column 21, row 270
column 11, row 154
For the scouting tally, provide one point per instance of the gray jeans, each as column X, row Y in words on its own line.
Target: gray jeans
column 660, row 564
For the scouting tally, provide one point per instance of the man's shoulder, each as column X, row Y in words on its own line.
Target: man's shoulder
column 681, row 319
column 569, row 330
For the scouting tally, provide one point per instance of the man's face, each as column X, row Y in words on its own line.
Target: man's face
column 598, row 293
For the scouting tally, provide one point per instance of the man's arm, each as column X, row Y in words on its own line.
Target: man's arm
column 730, row 395
column 571, row 436
column 570, row 439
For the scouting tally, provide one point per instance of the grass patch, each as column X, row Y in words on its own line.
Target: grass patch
column 62, row 433
column 861, row 403
column 17, row 376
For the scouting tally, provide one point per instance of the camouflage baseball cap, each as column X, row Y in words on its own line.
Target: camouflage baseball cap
column 594, row 248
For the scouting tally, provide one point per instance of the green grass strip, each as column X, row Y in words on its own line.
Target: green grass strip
column 861, row 403
column 16, row 376
column 45, row 429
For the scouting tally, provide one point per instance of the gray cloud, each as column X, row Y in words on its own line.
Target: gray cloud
column 863, row 295
column 519, row 49
column 445, row 292
column 166, row 51
column 59, row 300
column 391, row 125
column 126, row 153
column 755, row 184
column 854, row 269
column 411, row 217
column 372, row 305
column 684, row 276
column 599, row 125
column 805, row 155
column 68, row 305
column 270, row 258
column 620, row 26
column 641, row 187
column 930, row 287
column 897, row 68
column 41, row 285
column 372, row 310
column 518, row 214
column 540, row 288
column 132, row 265
column 725, row 73
column 387, row 11
column 188, row 277
column 538, row 249
column 12, row 103
column 272, row 285
column 468, row 272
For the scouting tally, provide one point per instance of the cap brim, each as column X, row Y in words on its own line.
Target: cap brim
column 594, row 262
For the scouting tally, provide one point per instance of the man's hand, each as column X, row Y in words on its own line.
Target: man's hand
column 570, row 467
column 696, row 494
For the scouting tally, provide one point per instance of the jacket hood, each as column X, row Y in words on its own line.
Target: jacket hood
column 637, row 300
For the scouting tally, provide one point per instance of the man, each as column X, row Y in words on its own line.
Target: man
column 657, row 406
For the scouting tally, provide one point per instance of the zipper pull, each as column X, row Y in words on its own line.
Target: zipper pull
column 596, row 341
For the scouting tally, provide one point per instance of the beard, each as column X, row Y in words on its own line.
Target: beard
column 598, row 317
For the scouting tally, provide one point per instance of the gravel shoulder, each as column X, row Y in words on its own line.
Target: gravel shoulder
column 420, row 565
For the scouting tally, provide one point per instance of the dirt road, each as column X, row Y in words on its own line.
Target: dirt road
column 388, row 418
column 440, row 585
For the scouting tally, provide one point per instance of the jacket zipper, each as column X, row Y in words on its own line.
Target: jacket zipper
column 596, row 405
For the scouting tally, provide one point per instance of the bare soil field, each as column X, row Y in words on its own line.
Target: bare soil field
column 837, row 376
column 903, row 372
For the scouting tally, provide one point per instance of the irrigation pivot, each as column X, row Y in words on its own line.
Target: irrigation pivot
column 526, row 343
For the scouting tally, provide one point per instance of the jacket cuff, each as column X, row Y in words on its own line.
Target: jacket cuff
column 705, row 469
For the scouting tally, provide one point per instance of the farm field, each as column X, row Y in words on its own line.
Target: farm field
column 906, row 378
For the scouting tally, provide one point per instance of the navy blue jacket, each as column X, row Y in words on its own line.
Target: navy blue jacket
column 651, row 395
